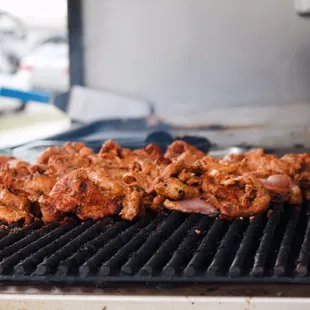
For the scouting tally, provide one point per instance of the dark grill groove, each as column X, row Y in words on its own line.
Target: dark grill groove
column 233, row 235
column 184, row 252
column 168, row 247
column 110, row 248
column 269, row 248
column 206, row 249
column 71, row 264
column 253, row 231
column 284, row 251
column 265, row 244
column 123, row 253
column 302, row 261
column 51, row 262
column 62, row 237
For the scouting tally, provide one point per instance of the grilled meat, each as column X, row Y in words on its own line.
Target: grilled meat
column 79, row 193
column 157, row 203
column 49, row 213
column 73, row 180
column 175, row 189
column 299, row 171
column 67, row 149
column 13, row 174
column 182, row 151
column 236, row 196
column 36, row 185
column 132, row 204
column 14, row 208
column 279, row 175
column 60, row 165
column 194, row 205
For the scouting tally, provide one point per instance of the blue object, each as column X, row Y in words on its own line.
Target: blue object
column 25, row 96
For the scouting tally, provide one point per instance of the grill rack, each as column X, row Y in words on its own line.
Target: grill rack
column 166, row 248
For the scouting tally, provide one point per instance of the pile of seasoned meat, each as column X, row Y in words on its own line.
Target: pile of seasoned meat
column 74, row 181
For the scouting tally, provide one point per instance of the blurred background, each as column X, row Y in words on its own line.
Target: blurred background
column 234, row 72
column 33, row 44
column 33, row 56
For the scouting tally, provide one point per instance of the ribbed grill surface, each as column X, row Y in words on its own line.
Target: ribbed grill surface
column 179, row 248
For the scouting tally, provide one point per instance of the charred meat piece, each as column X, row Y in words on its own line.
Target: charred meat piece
column 48, row 211
column 151, row 151
column 300, row 171
column 282, row 189
column 279, row 175
column 107, row 160
column 139, row 179
column 268, row 163
column 76, row 192
column 174, row 189
column 144, row 174
column 111, row 185
column 60, row 165
column 173, row 169
column 111, row 147
column 14, row 208
column 157, row 203
column 48, row 153
column 132, row 204
column 190, row 178
column 13, row 173
column 10, row 215
column 236, row 196
column 183, row 151
column 112, row 155
column 38, row 184
column 67, row 149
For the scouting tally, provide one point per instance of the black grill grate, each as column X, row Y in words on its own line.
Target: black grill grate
column 177, row 248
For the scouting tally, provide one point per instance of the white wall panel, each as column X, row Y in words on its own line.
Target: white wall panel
column 188, row 56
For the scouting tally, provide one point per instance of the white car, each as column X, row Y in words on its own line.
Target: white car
column 13, row 37
column 11, row 26
column 48, row 65
column 8, row 77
